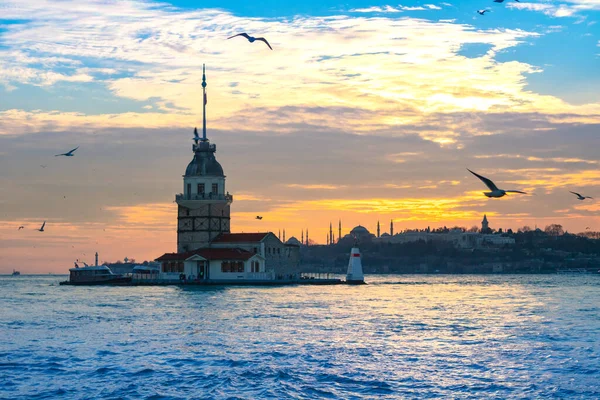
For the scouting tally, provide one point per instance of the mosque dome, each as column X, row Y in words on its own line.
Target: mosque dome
column 293, row 241
column 204, row 162
column 359, row 231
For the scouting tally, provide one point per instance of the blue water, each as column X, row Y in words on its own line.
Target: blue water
column 398, row 337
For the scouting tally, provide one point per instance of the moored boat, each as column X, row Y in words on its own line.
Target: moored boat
column 95, row 275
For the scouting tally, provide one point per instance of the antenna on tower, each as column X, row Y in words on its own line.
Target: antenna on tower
column 204, row 103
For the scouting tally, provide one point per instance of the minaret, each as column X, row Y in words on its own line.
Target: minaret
column 284, row 236
column 339, row 230
column 302, row 238
column 392, row 228
column 327, row 241
column 204, row 206
column 378, row 229
column 279, row 235
column 307, row 236
column 330, row 233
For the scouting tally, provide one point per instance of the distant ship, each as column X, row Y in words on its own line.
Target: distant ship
column 16, row 273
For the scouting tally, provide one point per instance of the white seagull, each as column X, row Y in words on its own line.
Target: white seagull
column 68, row 153
column 580, row 197
column 495, row 192
column 482, row 12
column 42, row 228
column 252, row 39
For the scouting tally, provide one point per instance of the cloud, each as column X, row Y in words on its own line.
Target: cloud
column 314, row 186
column 571, row 9
column 147, row 52
column 384, row 9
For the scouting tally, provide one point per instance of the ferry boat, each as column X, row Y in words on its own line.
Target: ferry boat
column 95, row 275
column 15, row 273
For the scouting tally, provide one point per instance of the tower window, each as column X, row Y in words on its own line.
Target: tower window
column 189, row 189
column 215, row 188
column 201, row 188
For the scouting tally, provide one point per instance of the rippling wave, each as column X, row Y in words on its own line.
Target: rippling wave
column 398, row 337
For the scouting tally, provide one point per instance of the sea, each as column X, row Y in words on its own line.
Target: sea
column 399, row 337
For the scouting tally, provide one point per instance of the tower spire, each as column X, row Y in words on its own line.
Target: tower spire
column 204, row 103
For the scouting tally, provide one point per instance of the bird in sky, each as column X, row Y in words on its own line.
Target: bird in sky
column 258, row 217
column 580, row 197
column 495, row 192
column 251, row 39
column 68, row 153
column 21, row 227
column 498, row 1
column 42, row 228
column 482, row 12
column 43, row 166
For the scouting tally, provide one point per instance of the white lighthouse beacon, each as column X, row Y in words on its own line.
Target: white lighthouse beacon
column 355, row 273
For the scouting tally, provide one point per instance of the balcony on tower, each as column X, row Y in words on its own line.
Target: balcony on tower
column 203, row 196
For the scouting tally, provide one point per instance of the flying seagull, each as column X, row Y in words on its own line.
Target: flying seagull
column 495, row 192
column 482, row 12
column 498, row 1
column 21, row 227
column 251, row 39
column 258, row 217
column 580, row 197
column 42, row 228
column 68, row 153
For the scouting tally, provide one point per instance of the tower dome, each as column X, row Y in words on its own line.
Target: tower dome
column 204, row 162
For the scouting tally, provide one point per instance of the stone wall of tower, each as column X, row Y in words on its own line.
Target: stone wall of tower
column 197, row 226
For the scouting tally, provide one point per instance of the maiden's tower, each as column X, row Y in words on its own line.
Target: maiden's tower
column 204, row 206
column 207, row 251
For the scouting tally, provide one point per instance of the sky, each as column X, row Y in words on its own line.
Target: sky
column 364, row 111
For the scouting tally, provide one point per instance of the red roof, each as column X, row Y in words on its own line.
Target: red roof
column 209, row 254
column 240, row 237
